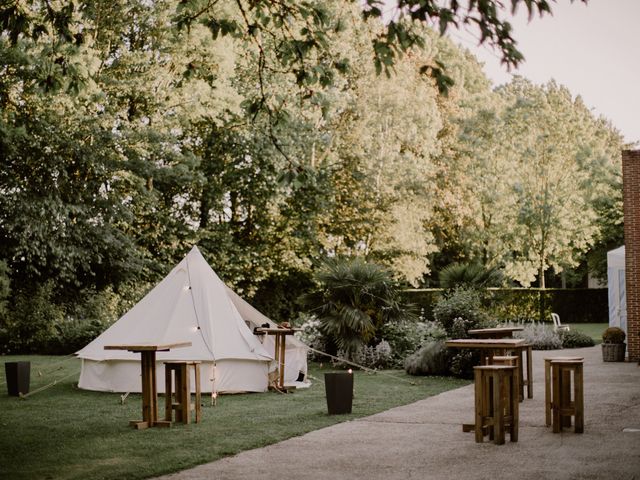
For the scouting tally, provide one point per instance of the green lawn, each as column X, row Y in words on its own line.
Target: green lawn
column 65, row 433
column 594, row 330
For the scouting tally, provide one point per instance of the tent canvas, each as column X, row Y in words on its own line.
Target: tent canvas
column 616, row 288
column 295, row 368
column 190, row 304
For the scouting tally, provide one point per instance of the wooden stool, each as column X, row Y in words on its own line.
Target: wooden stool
column 496, row 402
column 182, row 404
column 563, row 407
column 508, row 360
column 547, row 385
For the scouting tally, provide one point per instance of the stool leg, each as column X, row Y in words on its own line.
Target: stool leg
column 515, row 408
column 520, row 358
column 579, row 400
column 168, row 394
column 488, row 404
column 479, row 397
column 186, row 394
column 196, row 368
column 547, row 392
column 555, row 404
column 566, row 396
column 529, row 372
column 498, row 409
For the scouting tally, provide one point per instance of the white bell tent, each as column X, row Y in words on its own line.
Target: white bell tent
column 191, row 304
column 617, row 289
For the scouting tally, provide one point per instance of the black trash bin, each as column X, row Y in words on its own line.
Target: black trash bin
column 17, row 374
column 339, row 389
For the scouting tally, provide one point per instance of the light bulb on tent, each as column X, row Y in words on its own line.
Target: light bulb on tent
column 349, row 371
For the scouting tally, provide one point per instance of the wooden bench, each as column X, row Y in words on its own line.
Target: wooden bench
column 496, row 402
column 178, row 399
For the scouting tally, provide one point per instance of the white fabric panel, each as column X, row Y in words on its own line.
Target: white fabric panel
column 295, row 351
column 617, row 288
column 231, row 376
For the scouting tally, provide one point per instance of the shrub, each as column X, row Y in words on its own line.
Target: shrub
column 613, row 335
column 431, row 359
column 575, row 339
column 30, row 326
column 406, row 337
column 540, row 336
column 462, row 363
column 461, row 305
column 5, row 287
column 378, row 356
column 354, row 300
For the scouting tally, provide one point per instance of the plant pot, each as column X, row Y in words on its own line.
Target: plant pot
column 613, row 352
column 17, row 374
column 339, row 390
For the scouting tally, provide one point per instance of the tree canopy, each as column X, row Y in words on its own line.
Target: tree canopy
column 264, row 132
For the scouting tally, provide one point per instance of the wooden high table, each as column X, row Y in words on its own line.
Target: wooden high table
column 149, row 388
column 497, row 332
column 490, row 347
column 281, row 335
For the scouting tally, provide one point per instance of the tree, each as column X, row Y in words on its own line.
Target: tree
column 553, row 179
column 299, row 28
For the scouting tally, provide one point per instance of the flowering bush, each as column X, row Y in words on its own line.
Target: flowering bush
column 540, row 336
column 311, row 335
column 378, row 356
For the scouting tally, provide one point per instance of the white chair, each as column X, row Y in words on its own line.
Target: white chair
column 556, row 323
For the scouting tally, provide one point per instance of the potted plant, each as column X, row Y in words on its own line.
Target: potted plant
column 613, row 346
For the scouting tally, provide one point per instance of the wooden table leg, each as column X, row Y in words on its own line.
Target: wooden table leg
column 529, row 372
column 498, row 408
column 282, row 349
column 149, row 390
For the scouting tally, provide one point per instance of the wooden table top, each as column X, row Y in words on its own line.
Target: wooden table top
column 282, row 331
column 481, row 331
column 148, row 347
column 485, row 342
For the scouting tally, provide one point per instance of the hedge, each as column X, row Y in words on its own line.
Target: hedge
column 574, row 305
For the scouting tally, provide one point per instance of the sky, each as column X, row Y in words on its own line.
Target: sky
column 593, row 50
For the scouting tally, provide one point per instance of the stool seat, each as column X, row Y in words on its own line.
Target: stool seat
column 496, row 402
column 177, row 374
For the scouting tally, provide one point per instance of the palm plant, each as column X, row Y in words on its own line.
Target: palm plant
column 472, row 275
column 353, row 300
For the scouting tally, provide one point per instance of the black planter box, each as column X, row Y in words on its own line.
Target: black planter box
column 339, row 390
column 18, row 374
